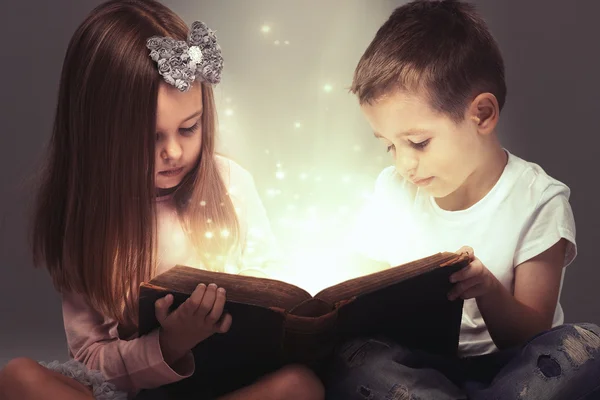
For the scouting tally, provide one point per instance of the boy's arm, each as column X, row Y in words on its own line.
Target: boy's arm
column 512, row 320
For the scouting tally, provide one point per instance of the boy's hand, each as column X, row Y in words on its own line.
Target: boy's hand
column 472, row 281
column 198, row 318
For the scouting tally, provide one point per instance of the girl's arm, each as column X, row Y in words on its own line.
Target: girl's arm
column 131, row 365
column 260, row 252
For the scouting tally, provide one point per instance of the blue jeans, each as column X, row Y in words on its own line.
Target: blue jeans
column 560, row 364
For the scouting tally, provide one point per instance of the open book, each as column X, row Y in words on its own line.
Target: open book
column 276, row 322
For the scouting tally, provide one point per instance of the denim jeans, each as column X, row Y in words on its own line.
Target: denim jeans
column 562, row 363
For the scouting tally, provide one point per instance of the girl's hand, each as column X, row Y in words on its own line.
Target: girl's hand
column 472, row 281
column 196, row 319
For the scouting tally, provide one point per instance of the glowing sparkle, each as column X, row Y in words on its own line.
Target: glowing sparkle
column 208, row 235
column 287, row 42
column 224, row 233
column 229, row 112
column 327, row 88
column 303, row 176
column 209, row 221
column 265, row 29
column 273, row 192
column 202, row 203
column 276, row 42
column 297, row 125
column 280, row 175
column 267, row 151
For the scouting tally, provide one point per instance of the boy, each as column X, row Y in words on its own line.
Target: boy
column 431, row 85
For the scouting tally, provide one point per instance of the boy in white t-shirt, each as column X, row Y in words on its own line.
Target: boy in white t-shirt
column 431, row 85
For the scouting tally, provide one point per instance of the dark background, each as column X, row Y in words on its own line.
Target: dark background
column 274, row 110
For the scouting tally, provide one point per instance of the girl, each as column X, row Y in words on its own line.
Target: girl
column 133, row 187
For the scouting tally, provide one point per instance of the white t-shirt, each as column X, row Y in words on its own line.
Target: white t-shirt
column 524, row 214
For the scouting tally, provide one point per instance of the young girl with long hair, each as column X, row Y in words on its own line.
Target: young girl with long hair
column 132, row 187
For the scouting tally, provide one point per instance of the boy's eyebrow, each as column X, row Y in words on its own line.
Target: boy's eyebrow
column 197, row 113
column 409, row 132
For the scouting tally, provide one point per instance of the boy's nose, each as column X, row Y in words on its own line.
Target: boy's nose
column 406, row 165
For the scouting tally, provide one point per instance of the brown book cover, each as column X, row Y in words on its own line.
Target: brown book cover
column 276, row 322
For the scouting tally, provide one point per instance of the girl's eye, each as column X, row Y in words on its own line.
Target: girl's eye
column 189, row 131
column 420, row 145
column 390, row 148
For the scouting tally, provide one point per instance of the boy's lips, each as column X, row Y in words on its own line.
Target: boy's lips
column 422, row 181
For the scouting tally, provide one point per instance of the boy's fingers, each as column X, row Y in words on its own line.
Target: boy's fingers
column 463, row 274
column 467, row 249
column 461, row 287
column 472, row 292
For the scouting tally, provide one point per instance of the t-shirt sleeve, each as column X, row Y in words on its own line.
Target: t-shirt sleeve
column 551, row 220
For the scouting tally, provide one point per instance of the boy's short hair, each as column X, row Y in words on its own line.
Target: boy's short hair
column 442, row 48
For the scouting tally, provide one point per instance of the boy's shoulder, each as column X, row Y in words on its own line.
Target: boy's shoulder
column 530, row 180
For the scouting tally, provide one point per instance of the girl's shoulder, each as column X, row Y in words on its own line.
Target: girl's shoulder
column 232, row 173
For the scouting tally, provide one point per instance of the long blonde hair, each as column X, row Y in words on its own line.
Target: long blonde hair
column 94, row 225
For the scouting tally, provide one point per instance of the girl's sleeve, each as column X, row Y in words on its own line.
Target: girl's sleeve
column 131, row 365
column 260, row 250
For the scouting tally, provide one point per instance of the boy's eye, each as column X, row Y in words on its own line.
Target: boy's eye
column 390, row 148
column 190, row 130
column 420, row 145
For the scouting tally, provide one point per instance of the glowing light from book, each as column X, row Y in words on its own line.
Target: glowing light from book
column 327, row 88
column 265, row 29
column 208, row 235
column 280, row 175
column 225, row 233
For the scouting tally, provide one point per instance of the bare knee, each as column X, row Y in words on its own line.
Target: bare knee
column 298, row 382
column 19, row 374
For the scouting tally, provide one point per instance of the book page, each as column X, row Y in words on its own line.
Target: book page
column 243, row 289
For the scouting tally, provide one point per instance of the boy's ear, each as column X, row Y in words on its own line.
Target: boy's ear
column 484, row 112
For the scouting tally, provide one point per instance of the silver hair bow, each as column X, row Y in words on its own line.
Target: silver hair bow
column 181, row 62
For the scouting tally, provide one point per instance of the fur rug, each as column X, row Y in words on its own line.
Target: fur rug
column 101, row 389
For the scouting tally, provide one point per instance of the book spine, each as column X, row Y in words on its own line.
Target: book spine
column 310, row 340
